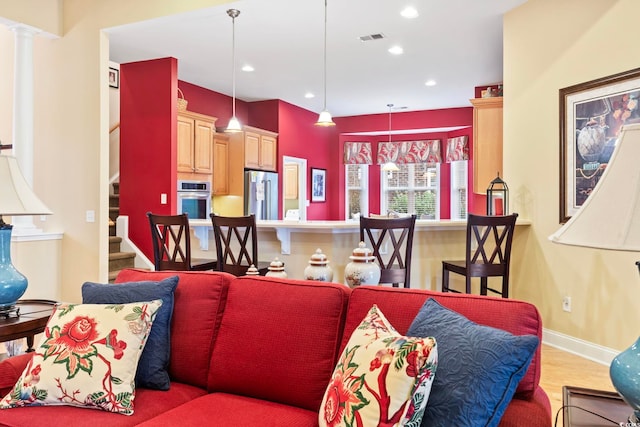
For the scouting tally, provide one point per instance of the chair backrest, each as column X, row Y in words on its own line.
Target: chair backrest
column 489, row 244
column 236, row 243
column 391, row 240
column 171, row 241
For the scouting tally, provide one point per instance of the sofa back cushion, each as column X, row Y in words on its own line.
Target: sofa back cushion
column 401, row 306
column 278, row 340
column 198, row 305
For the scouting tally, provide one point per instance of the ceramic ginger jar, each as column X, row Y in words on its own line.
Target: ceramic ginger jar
column 252, row 271
column 363, row 268
column 276, row 269
column 318, row 268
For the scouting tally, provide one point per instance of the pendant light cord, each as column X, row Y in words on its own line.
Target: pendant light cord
column 233, row 61
column 325, row 55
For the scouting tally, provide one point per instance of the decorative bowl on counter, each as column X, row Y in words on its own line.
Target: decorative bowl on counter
column 363, row 268
column 318, row 268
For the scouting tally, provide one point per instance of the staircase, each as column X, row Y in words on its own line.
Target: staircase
column 117, row 259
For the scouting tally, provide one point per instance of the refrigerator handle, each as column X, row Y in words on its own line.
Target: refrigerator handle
column 267, row 198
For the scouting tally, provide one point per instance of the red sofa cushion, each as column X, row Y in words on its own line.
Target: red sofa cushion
column 221, row 409
column 400, row 306
column 198, row 305
column 278, row 340
column 147, row 404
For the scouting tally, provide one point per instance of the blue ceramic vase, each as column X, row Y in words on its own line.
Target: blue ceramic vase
column 625, row 376
column 12, row 283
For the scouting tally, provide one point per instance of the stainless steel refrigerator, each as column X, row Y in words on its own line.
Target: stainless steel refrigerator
column 261, row 194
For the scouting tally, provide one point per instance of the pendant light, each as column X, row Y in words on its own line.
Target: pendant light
column 234, row 125
column 390, row 167
column 324, row 119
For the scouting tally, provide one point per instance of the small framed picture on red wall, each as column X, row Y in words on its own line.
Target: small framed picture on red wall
column 318, row 185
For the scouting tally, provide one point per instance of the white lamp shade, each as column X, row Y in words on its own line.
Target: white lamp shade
column 234, row 125
column 610, row 217
column 16, row 196
column 324, row 119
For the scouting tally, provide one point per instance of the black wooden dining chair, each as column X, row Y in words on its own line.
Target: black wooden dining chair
column 237, row 244
column 391, row 240
column 488, row 253
column 171, row 239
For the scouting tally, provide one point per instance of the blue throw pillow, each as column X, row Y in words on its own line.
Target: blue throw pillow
column 154, row 362
column 479, row 367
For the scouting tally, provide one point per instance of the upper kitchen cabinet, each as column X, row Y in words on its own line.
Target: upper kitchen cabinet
column 220, row 184
column 260, row 149
column 487, row 141
column 195, row 145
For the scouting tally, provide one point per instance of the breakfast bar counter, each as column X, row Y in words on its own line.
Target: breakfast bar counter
column 293, row 242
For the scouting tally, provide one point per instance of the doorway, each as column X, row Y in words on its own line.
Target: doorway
column 294, row 188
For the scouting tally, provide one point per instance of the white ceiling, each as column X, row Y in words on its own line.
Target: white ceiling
column 457, row 43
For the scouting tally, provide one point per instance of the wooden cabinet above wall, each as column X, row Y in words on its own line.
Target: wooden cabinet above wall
column 260, row 149
column 487, row 142
column 195, row 145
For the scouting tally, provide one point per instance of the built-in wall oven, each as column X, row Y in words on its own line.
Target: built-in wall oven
column 194, row 198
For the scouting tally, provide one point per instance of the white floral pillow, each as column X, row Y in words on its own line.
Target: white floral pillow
column 382, row 377
column 87, row 357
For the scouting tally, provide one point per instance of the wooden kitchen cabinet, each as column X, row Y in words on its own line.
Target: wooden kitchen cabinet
column 195, row 145
column 290, row 181
column 220, row 184
column 487, row 142
column 260, row 149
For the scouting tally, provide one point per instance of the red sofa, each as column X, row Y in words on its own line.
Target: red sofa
column 256, row 351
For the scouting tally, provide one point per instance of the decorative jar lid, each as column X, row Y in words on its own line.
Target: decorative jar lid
column 252, row 271
column 362, row 253
column 276, row 265
column 318, row 258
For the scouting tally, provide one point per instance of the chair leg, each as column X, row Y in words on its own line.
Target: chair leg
column 505, row 286
column 467, row 280
column 445, row 279
column 483, row 286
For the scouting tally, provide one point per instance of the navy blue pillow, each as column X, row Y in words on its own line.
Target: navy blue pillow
column 152, row 368
column 479, row 367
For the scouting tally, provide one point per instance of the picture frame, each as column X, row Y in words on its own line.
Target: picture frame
column 591, row 116
column 114, row 77
column 318, row 185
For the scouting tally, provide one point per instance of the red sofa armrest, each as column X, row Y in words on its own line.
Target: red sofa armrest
column 10, row 371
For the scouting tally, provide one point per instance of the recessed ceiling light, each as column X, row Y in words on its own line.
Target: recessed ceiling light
column 430, row 82
column 309, row 95
column 248, row 68
column 396, row 50
column 409, row 12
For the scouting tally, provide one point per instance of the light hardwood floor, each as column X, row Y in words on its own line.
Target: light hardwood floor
column 560, row 368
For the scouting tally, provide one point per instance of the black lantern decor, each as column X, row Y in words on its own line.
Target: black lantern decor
column 498, row 197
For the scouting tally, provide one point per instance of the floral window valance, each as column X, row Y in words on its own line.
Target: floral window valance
column 457, row 149
column 357, row 153
column 409, row 152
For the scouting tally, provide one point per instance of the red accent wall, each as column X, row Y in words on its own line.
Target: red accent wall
column 147, row 144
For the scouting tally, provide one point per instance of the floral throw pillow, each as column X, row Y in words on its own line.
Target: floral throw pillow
column 382, row 377
column 87, row 357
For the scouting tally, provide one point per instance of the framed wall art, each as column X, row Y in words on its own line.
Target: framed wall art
column 591, row 116
column 114, row 77
column 318, row 185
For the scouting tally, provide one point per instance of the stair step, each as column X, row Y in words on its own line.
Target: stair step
column 114, row 244
column 120, row 260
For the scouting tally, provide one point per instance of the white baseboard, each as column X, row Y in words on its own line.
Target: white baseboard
column 586, row 349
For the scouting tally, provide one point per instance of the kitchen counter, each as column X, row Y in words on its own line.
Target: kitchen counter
column 293, row 242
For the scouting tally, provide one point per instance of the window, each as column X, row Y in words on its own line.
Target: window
column 412, row 189
column 357, row 178
column 459, row 189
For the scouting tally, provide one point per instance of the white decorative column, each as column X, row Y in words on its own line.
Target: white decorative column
column 23, row 106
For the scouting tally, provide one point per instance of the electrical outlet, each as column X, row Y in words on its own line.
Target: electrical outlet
column 566, row 304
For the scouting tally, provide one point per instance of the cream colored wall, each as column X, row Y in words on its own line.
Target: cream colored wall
column 552, row 44
column 71, row 142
